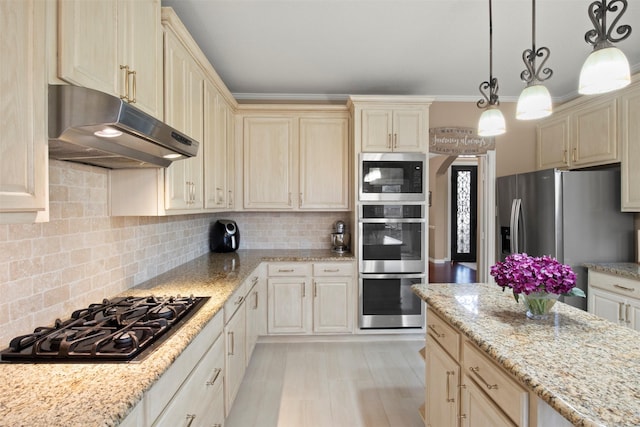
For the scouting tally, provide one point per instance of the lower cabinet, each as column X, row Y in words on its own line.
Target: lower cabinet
column 235, row 335
column 464, row 387
column 614, row 298
column 305, row 298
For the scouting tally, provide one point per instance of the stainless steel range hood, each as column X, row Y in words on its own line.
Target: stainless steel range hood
column 95, row 128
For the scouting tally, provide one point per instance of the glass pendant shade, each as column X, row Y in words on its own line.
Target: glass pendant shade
column 605, row 70
column 534, row 103
column 491, row 122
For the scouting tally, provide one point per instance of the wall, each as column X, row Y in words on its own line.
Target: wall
column 82, row 255
column 515, row 153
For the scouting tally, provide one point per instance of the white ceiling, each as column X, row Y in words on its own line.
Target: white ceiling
column 327, row 49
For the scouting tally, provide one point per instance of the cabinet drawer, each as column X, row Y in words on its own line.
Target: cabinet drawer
column 613, row 283
column 510, row 396
column 441, row 332
column 289, row 269
column 333, row 269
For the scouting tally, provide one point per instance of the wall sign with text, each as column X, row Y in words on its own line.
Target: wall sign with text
column 452, row 141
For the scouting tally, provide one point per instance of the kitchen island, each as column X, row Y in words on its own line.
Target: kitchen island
column 102, row 394
column 584, row 367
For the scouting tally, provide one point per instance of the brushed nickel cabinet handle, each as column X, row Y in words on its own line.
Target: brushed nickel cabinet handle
column 436, row 333
column 254, row 280
column 239, row 300
column 230, row 199
column 255, row 300
column 315, row 289
column 476, row 370
column 190, row 418
column 331, row 270
column 623, row 288
column 285, row 270
column 395, row 140
column 620, row 317
column 626, row 314
column 216, row 374
column 388, row 140
column 289, row 198
column 125, row 68
column 301, row 200
column 304, row 292
column 574, row 154
column 133, row 87
column 564, row 156
column 231, row 351
column 450, row 374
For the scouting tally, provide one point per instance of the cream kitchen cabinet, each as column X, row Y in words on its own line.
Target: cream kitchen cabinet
column 615, row 298
column 191, row 389
column 113, row 46
column 580, row 134
column 217, row 125
column 304, row 298
column 464, row 387
column 256, row 301
column 395, row 123
column 630, row 157
column 333, row 299
column 296, row 160
column 235, row 347
column 24, row 163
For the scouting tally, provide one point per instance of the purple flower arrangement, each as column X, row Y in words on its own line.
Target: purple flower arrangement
column 525, row 274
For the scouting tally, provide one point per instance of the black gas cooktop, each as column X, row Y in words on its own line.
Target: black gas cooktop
column 117, row 330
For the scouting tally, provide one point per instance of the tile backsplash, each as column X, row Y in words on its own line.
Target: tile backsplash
column 82, row 255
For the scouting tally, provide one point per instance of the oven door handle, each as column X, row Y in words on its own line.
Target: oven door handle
column 392, row 275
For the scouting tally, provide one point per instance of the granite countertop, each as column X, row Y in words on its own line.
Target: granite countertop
column 630, row 270
column 102, row 394
column 583, row 366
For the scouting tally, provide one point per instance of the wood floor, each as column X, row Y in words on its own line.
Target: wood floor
column 451, row 272
column 332, row 384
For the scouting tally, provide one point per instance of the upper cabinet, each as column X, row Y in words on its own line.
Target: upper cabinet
column 395, row 123
column 23, row 138
column 630, row 136
column 580, row 134
column 296, row 159
column 115, row 47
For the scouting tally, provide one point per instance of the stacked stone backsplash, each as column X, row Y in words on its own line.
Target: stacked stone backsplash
column 82, row 255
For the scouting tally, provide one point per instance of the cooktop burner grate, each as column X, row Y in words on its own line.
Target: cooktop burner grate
column 118, row 330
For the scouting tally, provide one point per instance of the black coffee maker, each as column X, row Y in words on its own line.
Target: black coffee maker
column 224, row 236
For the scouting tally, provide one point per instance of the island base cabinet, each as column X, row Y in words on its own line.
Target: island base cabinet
column 478, row 410
column 442, row 381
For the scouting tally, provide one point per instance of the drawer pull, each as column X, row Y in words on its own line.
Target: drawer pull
column 476, row 370
column 624, row 288
column 255, row 300
column 449, row 374
column 239, row 300
column 285, row 270
column 232, row 344
column 620, row 316
column 254, row 280
column 626, row 313
column 190, row 418
column 331, row 270
column 433, row 329
column 216, row 374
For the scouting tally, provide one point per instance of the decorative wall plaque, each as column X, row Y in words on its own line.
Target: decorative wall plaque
column 453, row 141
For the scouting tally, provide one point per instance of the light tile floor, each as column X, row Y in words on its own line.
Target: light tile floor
column 332, row 384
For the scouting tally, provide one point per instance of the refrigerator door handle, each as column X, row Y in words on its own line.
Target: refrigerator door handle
column 513, row 227
column 516, row 212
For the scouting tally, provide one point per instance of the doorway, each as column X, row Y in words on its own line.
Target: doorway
column 464, row 207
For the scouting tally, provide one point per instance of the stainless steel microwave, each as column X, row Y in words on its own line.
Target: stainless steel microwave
column 394, row 177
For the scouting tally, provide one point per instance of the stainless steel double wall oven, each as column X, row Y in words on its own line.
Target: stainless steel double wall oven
column 391, row 239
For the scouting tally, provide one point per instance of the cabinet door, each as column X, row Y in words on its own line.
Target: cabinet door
column 332, row 304
column 377, row 127
column 480, row 411
column 632, row 314
column 606, row 304
column 630, row 157
column 184, row 100
column 269, row 172
column 88, row 44
column 409, row 130
column 254, row 302
column 23, row 139
column 553, row 142
column 324, row 163
column 215, row 148
column 287, row 306
column 594, row 134
column 442, row 380
column 140, row 46
column 235, row 333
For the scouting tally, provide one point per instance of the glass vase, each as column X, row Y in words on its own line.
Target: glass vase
column 538, row 304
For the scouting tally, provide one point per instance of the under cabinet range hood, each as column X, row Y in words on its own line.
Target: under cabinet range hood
column 92, row 127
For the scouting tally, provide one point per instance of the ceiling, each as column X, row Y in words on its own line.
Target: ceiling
column 328, row 49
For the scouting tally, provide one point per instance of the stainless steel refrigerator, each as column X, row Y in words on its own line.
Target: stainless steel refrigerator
column 573, row 216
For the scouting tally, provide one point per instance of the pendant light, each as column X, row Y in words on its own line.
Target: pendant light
column 491, row 120
column 534, row 101
column 606, row 68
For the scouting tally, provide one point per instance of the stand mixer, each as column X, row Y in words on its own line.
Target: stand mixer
column 339, row 239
